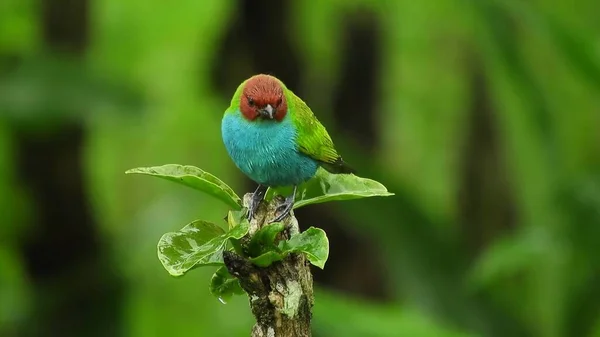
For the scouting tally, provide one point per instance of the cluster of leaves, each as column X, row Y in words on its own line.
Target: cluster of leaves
column 202, row 243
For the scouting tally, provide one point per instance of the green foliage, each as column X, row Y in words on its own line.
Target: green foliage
column 341, row 315
column 267, row 258
column 42, row 93
column 508, row 257
column 441, row 62
column 202, row 243
column 195, row 178
column 264, row 239
column 326, row 187
column 313, row 242
column 223, row 285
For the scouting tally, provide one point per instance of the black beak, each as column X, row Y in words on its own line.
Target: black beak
column 267, row 112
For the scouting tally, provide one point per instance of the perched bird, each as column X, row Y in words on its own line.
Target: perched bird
column 274, row 138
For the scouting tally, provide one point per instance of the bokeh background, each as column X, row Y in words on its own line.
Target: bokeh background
column 482, row 116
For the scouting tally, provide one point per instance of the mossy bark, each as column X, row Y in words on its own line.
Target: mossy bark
column 281, row 295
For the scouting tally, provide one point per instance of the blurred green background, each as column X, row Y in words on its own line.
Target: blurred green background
column 482, row 116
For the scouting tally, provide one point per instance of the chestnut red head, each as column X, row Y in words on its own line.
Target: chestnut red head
column 263, row 97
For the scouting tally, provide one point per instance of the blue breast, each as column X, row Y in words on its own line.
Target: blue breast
column 266, row 151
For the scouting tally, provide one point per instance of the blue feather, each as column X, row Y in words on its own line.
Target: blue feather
column 266, row 151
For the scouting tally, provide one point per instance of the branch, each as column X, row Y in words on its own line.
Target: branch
column 281, row 295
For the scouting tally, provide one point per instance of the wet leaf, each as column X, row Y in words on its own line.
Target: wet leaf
column 200, row 243
column 195, row 178
column 223, row 285
column 326, row 187
column 313, row 242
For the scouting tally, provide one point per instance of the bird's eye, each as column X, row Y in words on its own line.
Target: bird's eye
column 250, row 101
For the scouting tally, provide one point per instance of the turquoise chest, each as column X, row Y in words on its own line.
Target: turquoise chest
column 266, row 150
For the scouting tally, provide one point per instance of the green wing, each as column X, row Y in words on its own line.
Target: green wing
column 313, row 139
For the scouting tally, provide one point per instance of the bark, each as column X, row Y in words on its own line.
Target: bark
column 281, row 295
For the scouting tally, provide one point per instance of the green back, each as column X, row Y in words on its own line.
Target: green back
column 313, row 139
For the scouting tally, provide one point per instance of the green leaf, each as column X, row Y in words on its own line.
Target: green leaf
column 223, row 285
column 324, row 187
column 200, row 243
column 313, row 242
column 195, row 178
column 267, row 258
column 264, row 239
column 234, row 219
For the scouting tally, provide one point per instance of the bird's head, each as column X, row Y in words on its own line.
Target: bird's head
column 263, row 98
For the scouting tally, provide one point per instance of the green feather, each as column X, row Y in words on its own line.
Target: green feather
column 313, row 139
column 235, row 100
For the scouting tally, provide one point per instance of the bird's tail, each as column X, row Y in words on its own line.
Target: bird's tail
column 338, row 166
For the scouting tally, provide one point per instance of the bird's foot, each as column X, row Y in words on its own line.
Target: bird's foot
column 286, row 207
column 257, row 197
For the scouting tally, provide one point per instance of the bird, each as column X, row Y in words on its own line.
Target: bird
column 274, row 138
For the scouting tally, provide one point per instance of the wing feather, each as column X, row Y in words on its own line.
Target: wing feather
column 313, row 139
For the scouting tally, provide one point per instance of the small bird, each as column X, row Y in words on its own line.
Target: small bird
column 274, row 138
